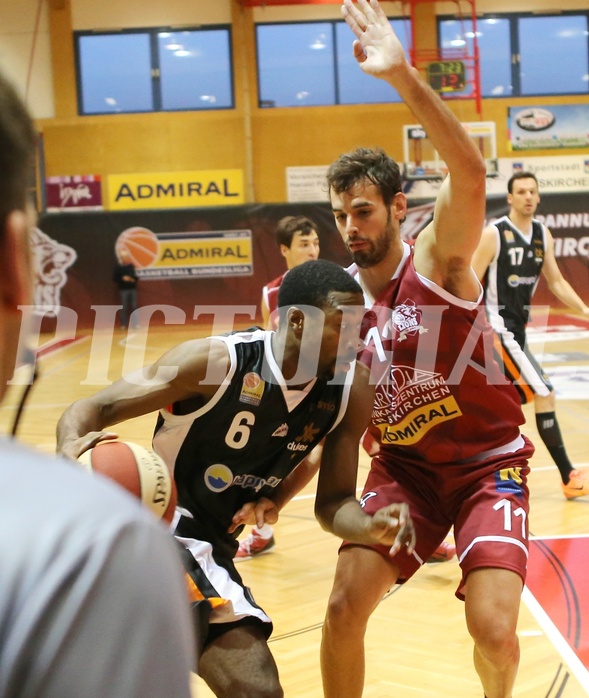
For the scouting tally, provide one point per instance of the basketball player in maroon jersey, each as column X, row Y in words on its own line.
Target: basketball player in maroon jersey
column 446, row 418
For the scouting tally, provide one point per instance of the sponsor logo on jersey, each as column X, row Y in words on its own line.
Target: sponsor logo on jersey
column 282, row 430
column 294, row 446
column 309, row 434
column 407, row 320
column 538, row 252
column 514, row 280
column 327, row 406
column 218, row 477
column 508, row 235
column 417, row 423
column 252, row 389
column 302, row 441
column 509, row 480
column 253, row 482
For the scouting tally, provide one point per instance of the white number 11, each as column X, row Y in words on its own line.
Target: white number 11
column 508, row 516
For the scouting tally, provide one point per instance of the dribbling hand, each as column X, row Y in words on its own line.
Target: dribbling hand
column 392, row 525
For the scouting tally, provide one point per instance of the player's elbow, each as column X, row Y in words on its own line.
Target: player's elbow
column 324, row 515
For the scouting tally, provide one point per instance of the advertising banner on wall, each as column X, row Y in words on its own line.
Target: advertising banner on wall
column 553, row 126
column 160, row 190
column 187, row 255
column 306, row 184
column 83, row 246
column 563, row 174
column 75, row 193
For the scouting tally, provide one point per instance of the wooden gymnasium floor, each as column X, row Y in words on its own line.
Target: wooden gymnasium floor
column 417, row 644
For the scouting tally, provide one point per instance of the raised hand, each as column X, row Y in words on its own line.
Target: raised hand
column 376, row 48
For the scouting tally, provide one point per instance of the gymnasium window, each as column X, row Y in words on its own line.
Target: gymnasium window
column 154, row 70
column 526, row 55
column 310, row 64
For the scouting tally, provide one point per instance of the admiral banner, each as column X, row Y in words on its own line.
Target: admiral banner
column 175, row 189
column 188, row 255
column 549, row 127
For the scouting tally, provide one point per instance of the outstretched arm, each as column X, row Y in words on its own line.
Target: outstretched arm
column 192, row 368
column 444, row 249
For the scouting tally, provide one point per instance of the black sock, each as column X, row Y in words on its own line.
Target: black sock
column 550, row 434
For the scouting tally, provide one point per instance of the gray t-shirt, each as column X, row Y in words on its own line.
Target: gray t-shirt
column 92, row 598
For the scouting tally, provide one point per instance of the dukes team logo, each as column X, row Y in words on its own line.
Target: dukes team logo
column 407, row 320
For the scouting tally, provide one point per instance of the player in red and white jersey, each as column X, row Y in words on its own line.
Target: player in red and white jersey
column 298, row 240
column 446, row 418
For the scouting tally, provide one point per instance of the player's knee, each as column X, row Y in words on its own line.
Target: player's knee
column 497, row 640
column 343, row 613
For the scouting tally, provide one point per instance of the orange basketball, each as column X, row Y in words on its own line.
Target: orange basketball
column 141, row 244
column 138, row 470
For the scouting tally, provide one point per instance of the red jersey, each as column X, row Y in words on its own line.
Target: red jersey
column 444, row 398
column 270, row 295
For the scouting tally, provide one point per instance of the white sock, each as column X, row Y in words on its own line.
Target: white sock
column 265, row 531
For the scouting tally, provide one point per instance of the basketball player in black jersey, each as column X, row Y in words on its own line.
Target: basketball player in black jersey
column 237, row 414
column 512, row 254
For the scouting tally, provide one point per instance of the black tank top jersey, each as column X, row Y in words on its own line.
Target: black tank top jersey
column 513, row 275
column 244, row 441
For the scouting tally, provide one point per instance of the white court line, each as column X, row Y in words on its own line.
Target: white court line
column 563, row 648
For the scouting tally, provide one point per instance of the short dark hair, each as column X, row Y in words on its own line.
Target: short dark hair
column 289, row 225
column 17, row 151
column 520, row 175
column 364, row 163
column 312, row 282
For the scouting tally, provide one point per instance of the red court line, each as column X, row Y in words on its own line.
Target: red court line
column 558, row 580
column 54, row 345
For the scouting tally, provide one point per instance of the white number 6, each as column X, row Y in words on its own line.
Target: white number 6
column 238, row 433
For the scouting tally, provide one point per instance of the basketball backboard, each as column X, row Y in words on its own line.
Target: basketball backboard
column 422, row 160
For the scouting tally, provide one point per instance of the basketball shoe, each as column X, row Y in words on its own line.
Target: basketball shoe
column 577, row 486
column 444, row 552
column 254, row 545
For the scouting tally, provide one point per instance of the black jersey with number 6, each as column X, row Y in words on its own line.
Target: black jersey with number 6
column 250, row 435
